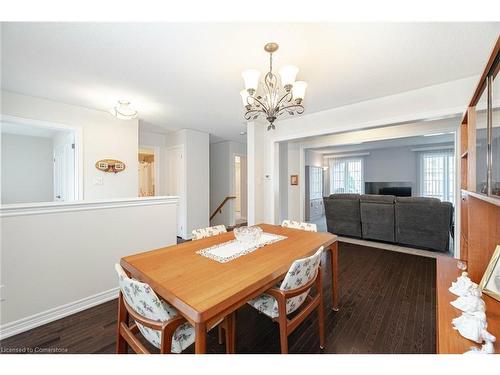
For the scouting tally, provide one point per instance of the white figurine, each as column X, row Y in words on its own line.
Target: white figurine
column 487, row 348
column 473, row 326
column 469, row 304
column 465, row 287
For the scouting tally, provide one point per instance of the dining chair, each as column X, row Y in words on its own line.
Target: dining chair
column 198, row 234
column 293, row 293
column 155, row 319
column 310, row 227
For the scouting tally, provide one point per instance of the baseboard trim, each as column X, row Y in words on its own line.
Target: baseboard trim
column 33, row 321
column 392, row 247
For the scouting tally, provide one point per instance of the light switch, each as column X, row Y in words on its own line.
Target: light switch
column 98, row 180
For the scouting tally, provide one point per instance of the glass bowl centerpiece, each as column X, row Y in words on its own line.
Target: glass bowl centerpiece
column 248, row 235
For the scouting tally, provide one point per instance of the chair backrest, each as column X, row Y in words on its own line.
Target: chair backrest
column 299, row 225
column 198, row 234
column 140, row 297
column 299, row 274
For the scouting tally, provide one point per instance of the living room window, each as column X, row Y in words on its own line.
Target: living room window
column 315, row 183
column 437, row 175
column 346, row 176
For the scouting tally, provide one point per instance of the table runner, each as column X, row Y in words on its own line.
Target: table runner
column 230, row 250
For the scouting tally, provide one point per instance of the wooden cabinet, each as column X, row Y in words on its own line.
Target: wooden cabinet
column 464, row 225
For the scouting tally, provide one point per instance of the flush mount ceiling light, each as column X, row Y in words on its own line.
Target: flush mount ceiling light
column 277, row 95
column 124, row 111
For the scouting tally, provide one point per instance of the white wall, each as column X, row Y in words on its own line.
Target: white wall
column 398, row 164
column 65, row 263
column 313, row 158
column 103, row 137
column 436, row 101
column 27, row 169
column 195, row 206
column 198, row 180
column 294, row 190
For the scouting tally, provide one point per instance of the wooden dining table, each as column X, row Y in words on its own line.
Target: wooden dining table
column 205, row 291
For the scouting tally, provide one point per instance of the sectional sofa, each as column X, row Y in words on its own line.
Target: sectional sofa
column 411, row 221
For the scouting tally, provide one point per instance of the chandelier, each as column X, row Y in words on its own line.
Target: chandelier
column 275, row 96
column 124, row 111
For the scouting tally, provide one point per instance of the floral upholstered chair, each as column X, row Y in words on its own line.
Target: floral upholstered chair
column 198, row 234
column 293, row 293
column 154, row 318
column 299, row 225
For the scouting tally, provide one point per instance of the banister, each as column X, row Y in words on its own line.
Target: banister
column 219, row 209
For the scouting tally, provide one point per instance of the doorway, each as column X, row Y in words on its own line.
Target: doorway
column 148, row 172
column 41, row 161
column 240, row 189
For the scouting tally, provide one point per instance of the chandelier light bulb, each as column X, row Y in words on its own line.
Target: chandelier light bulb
column 299, row 91
column 244, row 97
column 288, row 74
column 251, row 78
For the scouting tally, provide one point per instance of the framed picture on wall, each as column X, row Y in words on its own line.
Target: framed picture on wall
column 294, row 179
column 490, row 283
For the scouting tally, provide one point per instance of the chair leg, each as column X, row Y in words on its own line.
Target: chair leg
column 121, row 344
column 321, row 313
column 230, row 330
column 283, row 336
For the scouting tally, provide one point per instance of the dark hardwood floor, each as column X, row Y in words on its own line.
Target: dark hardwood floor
column 387, row 305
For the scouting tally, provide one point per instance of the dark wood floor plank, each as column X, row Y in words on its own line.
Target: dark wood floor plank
column 387, row 305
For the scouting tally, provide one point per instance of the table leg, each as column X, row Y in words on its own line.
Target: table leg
column 231, row 333
column 200, row 344
column 334, row 253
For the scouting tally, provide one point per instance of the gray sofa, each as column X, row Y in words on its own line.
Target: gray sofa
column 377, row 217
column 423, row 222
column 411, row 221
column 342, row 213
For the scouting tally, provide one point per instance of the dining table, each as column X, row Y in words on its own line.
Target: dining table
column 204, row 291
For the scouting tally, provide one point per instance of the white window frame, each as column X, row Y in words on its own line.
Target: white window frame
column 448, row 186
column 332, row 161
column 319, row 172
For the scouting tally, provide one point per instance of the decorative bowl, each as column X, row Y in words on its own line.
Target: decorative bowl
column 247, row 234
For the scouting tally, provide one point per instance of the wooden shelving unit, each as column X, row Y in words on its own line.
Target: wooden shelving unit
column 479, row 234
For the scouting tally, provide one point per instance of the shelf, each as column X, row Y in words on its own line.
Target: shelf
column 486, row 198
column 450, row 341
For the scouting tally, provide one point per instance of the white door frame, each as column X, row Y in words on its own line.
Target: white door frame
column 156, row 153
column 182, row 205
column 78, row 132
column 232, row 219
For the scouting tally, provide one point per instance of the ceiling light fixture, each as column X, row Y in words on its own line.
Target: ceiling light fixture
column 277, row 95
column 124, row 111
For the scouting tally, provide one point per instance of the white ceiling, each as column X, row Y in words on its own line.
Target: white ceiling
column 431, row 139
column 189, row 75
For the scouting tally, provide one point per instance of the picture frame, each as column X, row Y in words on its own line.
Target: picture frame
column 490, row 282
column 294, row 179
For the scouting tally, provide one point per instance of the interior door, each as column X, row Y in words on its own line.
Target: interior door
column 64, row 168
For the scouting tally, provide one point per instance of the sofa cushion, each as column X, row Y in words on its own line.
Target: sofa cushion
column 377, row 217
column 388, row 199
column 423, row 222
column 343, row 215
